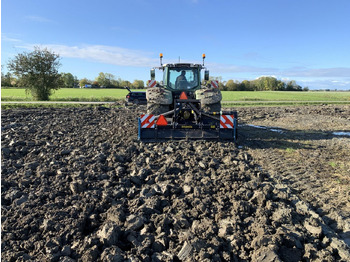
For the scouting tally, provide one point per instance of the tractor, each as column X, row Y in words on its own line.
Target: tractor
column 183, row 106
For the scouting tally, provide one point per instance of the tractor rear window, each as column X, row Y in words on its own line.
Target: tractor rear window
column 180, row 78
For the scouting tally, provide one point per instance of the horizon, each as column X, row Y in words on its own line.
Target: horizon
column 305, row 41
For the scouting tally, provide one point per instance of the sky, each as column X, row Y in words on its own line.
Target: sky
column 303, row 40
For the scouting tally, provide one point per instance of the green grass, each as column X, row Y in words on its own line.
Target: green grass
column 232, row 98
column 290, row 150
column 282, row 96
column 50, row 105
column 68, row 94
column 333, row 164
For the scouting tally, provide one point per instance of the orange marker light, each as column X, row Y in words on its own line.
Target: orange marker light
column 183, row 96
column 161, row 121
column 161, row 55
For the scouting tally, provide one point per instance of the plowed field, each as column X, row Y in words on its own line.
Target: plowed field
column 77, row 185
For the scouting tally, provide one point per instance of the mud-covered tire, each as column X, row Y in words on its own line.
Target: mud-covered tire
column 157, row 109
column 216, row 107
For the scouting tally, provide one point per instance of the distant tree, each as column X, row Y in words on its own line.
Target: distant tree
column 124, row 83
column 267, row 83
column 68, row 80
column 6, row 79
column 231, row 85
column 138, row 84
column 76, row 81
column 244, row 86
column 293, row 86
column 115, row 83
column 37, row 71
column 306, row 89
column 84, row 82
column 95, row 84
column 105, row 79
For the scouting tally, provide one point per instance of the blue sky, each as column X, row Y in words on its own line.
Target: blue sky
column 303, row 40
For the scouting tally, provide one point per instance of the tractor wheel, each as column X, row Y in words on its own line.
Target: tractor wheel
column 157, row 109
column 216, row 107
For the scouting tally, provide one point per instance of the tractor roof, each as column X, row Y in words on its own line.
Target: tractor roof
column 183, row 65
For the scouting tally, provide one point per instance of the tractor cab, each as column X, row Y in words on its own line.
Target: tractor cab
column 181, row 76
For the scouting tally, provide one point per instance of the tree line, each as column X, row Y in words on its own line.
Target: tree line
column 68, row 80
column 264, row 83
column 107, row 80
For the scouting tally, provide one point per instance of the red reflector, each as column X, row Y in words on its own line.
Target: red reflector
column 161, row 121
column 183, row 96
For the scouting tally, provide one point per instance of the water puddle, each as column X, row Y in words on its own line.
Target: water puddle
column 341, row 133
column 280, row 131
column 273, row 129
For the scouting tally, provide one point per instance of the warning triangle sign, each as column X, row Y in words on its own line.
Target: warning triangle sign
column 183, row 96
column 161, row 121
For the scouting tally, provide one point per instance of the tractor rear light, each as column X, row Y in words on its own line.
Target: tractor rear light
column 183, row 96
column 127, row 96
column 161, row 121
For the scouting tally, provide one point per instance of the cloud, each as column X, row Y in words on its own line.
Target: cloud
column 104, row 54
column 9, row 39
column 331, row 72
column 229, row 68
column 318, row 72
column 341, row 84
column 332, row 77
column 39, row 19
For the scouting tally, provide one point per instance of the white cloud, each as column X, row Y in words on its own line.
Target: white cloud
column 318, row 72
column 229, row 68
column 9, row 39
column 39, row 19
column 332, row 78
column 341, row 84
column 104, row 54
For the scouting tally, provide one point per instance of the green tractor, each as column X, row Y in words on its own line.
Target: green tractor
column 184, row 107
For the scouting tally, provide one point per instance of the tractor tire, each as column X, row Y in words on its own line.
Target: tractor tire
column 157, row 109
column 159, row 95
column 159, row 100
column 210, row 99
column 210, row 108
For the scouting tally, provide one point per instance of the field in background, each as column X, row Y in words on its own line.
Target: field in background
column 237, row 97
column 68, row 94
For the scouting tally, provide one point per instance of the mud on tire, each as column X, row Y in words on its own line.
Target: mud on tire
column 216, row 107
column 157, row 109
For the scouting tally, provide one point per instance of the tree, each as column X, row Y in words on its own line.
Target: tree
column 231, row 85
column 68, row 80
column 293, row 86
column 138, row 84
column 125, row 83
column 6, row 79
column 37, row 71
column 84, row 82
column 105, row 79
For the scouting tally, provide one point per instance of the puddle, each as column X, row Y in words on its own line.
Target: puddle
column 273, row 129
column 341, row 133
column 277, row 130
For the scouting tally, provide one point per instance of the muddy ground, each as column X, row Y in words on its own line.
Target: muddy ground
column 76, row 185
